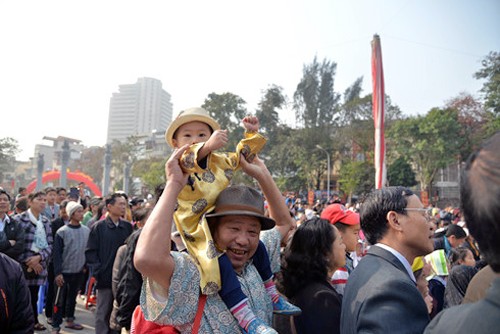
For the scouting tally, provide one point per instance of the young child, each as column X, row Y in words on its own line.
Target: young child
column 210, row 173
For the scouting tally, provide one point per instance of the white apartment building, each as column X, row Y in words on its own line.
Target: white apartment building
column 138, row 110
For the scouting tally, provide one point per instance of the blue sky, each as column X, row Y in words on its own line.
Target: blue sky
column 62, row 60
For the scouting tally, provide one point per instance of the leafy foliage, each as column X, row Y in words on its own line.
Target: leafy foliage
column 491, row 88
column 228, row 110
column 271, row 102
column 151, row 171
column 476, row 124
column 315, row 101
column 429, row 142
column 124, row 153
column 400, row 173
column 356, row 177
column 8, row 150
column 91, row 163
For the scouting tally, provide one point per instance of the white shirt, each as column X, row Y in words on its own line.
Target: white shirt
column 401, row 259
column 3, row 222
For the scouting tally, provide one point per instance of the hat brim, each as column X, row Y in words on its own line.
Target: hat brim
column 265, row 222
column 179, row 121
column 350, row 219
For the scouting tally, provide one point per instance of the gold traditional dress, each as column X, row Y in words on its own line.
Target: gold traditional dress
column 198, row 197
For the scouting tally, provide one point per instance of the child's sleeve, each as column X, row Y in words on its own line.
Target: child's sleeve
column 249, row 146
column 189, row 159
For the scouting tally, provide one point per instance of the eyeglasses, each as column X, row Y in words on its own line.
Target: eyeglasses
column 425, row 211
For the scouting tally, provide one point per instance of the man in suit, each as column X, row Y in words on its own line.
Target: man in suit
column 480, row 202
column 381, row 295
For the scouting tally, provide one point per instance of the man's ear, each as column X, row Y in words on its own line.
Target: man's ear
column 393, row 220
column 174, row 141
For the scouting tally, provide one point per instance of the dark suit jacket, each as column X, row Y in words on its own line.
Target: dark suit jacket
column 380, row 297
column 478, row 318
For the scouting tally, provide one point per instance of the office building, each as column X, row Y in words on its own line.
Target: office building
column 139, row 110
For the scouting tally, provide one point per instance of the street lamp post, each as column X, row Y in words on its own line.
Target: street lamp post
column 328, row 171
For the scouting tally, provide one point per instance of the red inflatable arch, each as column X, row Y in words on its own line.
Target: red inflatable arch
column 75, row 176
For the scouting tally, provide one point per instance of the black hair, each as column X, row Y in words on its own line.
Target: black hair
column 5, row 193
column 456, row 231
column 100, row 209
column 21, row 189
column 64, row 204
column 59, row 189
column 417, row 273
column 456, row 255
column 341, row 226
column 49, row 189
column 305, row 259
column 36, row 194
column 140, row 214
column 111, row 199
column 22, row 203
column 480, row 199
column 373, row 212
column 158, row 191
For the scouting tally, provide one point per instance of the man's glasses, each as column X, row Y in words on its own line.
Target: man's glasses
column 425, row 211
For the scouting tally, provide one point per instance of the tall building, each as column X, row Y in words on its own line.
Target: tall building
column 138, row 110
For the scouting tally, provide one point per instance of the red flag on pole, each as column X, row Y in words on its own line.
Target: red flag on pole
column 378, row 101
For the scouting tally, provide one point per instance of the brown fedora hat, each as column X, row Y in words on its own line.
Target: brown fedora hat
column 241, row 201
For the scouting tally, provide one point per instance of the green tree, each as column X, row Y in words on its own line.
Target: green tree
column 8, row 150
column 356, row 177
column 125, row 153
column 316, row 106
column 315, row 101
column 91, row 162
column 283, row 159
column 151, row 172
column 490, row 72
column 273, row 99
column 400, row 173
column 475, row 122
column 428, row 142
column 228, row 110
column 356, row 119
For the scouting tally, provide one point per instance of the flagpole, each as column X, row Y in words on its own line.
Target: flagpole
column 378, row 102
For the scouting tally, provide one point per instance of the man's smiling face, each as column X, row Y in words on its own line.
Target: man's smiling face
column 239, row 237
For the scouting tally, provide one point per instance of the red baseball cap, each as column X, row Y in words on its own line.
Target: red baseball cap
column 337, row 213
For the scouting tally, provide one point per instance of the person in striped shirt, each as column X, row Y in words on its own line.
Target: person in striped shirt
column 348, row 224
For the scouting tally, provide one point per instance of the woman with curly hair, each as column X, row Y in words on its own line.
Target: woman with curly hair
column 315, row 252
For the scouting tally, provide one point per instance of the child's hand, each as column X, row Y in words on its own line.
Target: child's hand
column 217, row 140
column 251, row 124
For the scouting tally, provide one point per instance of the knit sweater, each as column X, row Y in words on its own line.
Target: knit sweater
column 69, row 249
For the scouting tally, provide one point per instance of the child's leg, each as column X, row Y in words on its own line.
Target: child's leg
column 230, row 291
column 232, row 295
column 261, row 262
column 263, row 265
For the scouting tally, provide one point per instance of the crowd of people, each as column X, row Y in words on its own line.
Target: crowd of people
column 56, row 244
column 204, row 256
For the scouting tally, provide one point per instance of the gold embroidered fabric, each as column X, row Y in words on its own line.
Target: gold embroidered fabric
column 198, row 197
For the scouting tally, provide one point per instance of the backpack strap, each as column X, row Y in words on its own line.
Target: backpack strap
column 199, row 313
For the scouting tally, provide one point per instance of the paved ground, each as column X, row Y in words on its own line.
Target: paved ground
column 82, row 316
